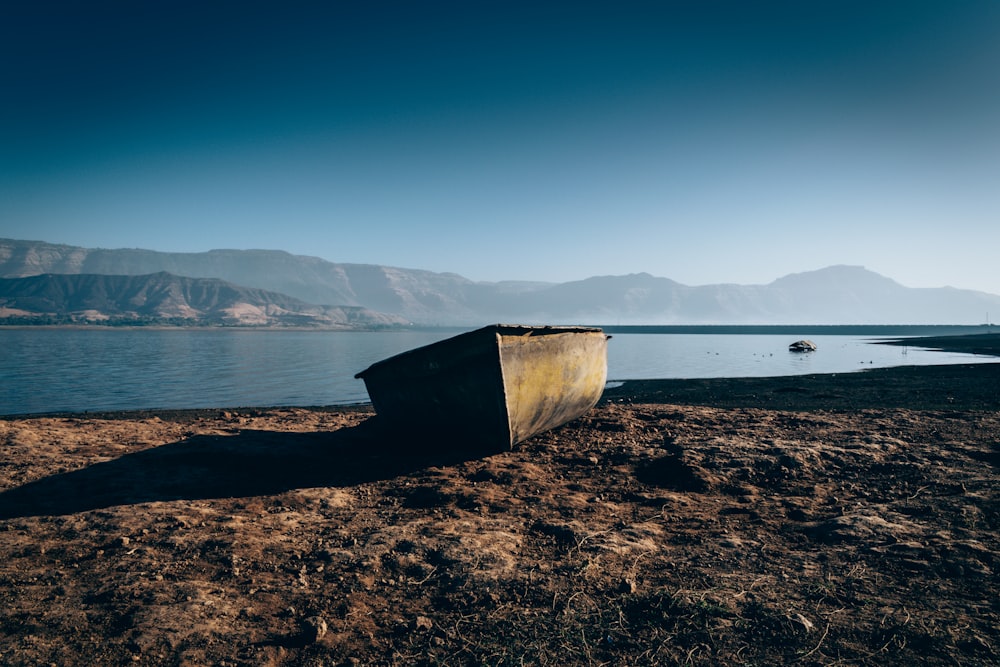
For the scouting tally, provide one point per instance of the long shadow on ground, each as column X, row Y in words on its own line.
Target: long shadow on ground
column 248, row 464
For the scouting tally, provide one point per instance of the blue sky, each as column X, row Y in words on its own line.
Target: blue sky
column 705, row 142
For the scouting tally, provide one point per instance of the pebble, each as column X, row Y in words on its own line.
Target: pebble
column 313, row 628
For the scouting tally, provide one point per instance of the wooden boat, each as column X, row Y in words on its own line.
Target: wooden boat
column 496, row 386
column 802, row 346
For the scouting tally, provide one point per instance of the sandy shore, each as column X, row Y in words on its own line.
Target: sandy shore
column 848, row 519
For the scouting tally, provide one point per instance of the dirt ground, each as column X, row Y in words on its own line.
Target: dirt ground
column 850, row 519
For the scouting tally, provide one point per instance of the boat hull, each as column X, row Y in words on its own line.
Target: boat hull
column 497, row 386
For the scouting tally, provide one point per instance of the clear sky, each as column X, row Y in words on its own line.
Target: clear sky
column 702, row 141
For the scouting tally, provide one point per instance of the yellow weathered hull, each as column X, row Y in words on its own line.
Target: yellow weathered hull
column 498, row 385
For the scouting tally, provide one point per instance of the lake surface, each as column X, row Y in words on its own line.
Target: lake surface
column 78, row 370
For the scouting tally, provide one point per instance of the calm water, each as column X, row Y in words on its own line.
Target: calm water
column 63, row 370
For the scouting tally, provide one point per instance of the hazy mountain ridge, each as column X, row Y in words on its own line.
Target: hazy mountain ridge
column 164, row 297
column 834, row 295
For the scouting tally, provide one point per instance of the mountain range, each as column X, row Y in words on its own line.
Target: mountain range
column 383, row 294
column 166, row 298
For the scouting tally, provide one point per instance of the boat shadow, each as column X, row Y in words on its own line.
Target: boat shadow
column 251, row 463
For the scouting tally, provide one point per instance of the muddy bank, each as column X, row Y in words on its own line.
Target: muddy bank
column 986, row 344
column 813, row 520
column 960, row 386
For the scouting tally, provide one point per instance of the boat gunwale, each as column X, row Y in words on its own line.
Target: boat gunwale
column 499, row 330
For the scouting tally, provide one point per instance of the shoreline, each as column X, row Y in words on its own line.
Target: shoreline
column 986, row 344
column 810, row 519
column 967, row 386
column 942, row 387
column 711, row 391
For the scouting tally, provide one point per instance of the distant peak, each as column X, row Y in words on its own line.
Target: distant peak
column 837, row 272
